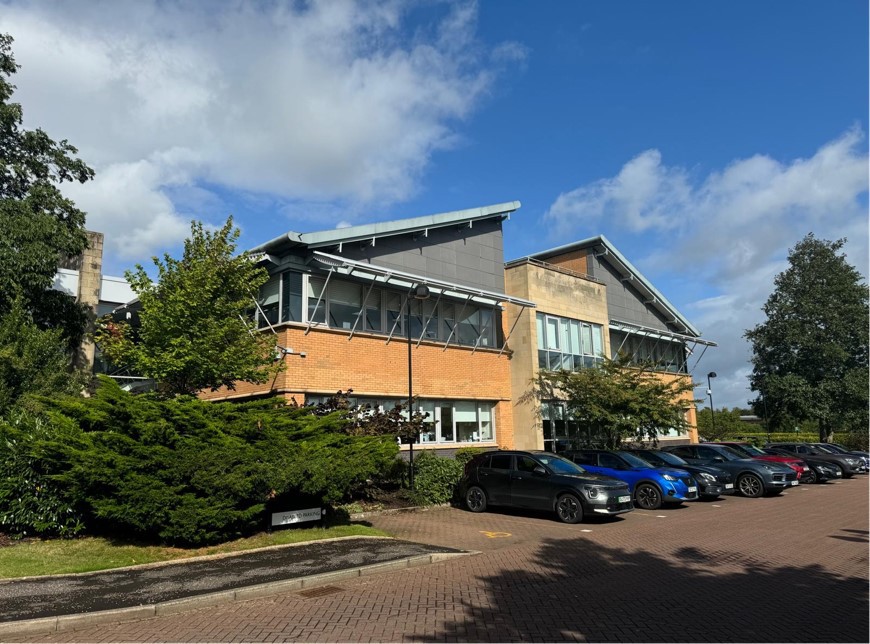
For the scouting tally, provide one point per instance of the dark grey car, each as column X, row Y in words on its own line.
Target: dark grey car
column 849, row 463
column 539, row 480
column 752, row 477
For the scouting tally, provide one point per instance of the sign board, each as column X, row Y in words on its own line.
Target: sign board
column 296, row 516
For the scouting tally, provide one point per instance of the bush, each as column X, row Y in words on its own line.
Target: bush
column 189, row 472
column 465, row 454
column 31, row 502
column 435, row 478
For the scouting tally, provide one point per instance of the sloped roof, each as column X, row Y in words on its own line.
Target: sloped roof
column 602, row 246
column 421, row 225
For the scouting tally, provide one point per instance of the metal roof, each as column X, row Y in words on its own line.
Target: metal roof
column 338, row 236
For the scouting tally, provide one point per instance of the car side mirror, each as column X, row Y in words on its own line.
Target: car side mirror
column 539, row 471
column 718, row 459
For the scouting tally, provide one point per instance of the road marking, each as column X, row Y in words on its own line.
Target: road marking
column 661, row 516
column 495, row 535
column 716, row 506
column 586, row 531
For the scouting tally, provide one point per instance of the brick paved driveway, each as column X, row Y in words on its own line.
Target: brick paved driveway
column 790, row 568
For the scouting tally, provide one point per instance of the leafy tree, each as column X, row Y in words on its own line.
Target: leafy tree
column 810, row 355
column 191, row 334
column 617, row 401
column 727, row 423
column 32, row 360
column 38, row 226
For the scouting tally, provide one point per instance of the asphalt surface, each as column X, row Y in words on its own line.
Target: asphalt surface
column 156, row 584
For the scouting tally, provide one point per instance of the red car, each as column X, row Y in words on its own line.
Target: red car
column 751, row 451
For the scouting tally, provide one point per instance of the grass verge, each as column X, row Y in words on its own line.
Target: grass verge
column 59, row 556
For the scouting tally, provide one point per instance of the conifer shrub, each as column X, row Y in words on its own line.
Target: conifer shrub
column 188, row 472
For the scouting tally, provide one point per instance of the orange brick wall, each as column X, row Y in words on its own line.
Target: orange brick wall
column 575, row 261
column 373, row 368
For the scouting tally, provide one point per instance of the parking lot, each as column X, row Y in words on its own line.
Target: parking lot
column 787, row 568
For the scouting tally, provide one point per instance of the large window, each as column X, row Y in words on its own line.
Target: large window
column 568, row 344
column 664, row 354
column 448, row 421
column 294, row 297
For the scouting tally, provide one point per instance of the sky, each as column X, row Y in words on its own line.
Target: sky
column 703, row 139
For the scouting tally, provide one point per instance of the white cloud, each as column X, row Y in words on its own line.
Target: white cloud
column 317, row 102
column 730, row 231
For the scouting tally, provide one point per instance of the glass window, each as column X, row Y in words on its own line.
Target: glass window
column 374, row 319
column 345, row 300
column 428, row 433
column 448, row 321
column 552, row 333
column 609, row 460
column 527, row 464
column 446, row 423
column 487, row 328
column 465, row 415
column 395, row 310
column 469, row 326
column 292, row 297
column 316, row 312
column 500, row 461
column 430, row 320
column 270, row 295
column 485, row 413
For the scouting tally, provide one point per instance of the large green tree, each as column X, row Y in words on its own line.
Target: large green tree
column 38, row 225
column 617, row 401
column 191, row 333
column 810, row 356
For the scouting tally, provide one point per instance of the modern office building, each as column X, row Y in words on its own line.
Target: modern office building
column 392, row 308
column 591, row 304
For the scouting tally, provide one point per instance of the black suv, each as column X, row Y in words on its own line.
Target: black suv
column 539, row 480
column 752, row 477
column 849, row 463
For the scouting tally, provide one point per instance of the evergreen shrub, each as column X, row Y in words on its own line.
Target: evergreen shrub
column 188, row 472
column 435, row 478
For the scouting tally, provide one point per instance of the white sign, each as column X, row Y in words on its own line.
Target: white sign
column 296, row 516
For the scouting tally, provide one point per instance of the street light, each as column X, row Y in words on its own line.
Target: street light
column 418, row 292
column 712, row 374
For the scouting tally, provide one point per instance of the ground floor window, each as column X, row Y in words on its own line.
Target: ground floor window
column 448, row 421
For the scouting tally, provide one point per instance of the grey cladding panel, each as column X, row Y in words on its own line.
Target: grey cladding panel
column 469, row 256
column 624, row 302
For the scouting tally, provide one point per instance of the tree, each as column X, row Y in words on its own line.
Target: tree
column 32, row 360
column 727, row 423
column 616, row 401
column 810, row 356
column 192, row 334
column 38, row 226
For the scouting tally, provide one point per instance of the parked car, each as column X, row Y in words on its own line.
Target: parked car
column 820, row 471
column 713, row 482
column 836, row 448
column 849, row 463
column 650, row 486
column 751, row 451
column 539, row 480
column 752, row 478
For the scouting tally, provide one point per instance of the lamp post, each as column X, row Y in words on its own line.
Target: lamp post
column 418, row 292
column 712, row 374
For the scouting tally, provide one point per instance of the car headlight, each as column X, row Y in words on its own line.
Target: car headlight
column 669, row 477
column 594, row 492
column 854, row 462
column 704, row 476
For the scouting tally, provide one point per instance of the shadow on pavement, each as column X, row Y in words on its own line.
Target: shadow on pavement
column 599, row 593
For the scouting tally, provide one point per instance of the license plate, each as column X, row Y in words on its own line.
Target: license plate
column 838, row 474
column 624, row 499
column 792, row 482
column 693, row 489
column 729, row 486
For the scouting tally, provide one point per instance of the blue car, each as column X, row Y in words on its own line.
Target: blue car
column 650, row 486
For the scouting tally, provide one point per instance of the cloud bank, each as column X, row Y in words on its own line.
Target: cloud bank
column 323, row 102
column 730, row 231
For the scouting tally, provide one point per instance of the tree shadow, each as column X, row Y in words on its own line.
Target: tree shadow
column 576, row 590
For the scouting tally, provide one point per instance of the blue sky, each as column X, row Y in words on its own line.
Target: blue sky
column 703, row 139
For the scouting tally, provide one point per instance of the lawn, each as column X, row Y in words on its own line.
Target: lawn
column 34, row 557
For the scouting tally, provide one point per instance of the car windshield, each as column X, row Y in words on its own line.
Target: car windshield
column 665, row 457
column 752, row 450
column 634, row 461
column 729, row 454
column 559, row 465
column 833, row 449
column 824, row 449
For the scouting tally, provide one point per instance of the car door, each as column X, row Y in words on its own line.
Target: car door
column 707, row 455
column 530, row 489
column 688, row 454
column 495, row 478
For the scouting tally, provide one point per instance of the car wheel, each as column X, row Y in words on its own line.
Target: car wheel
column 810, row 477
column 475, row 499
column 569, row 509
column 647, row 496
column 750, row 485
